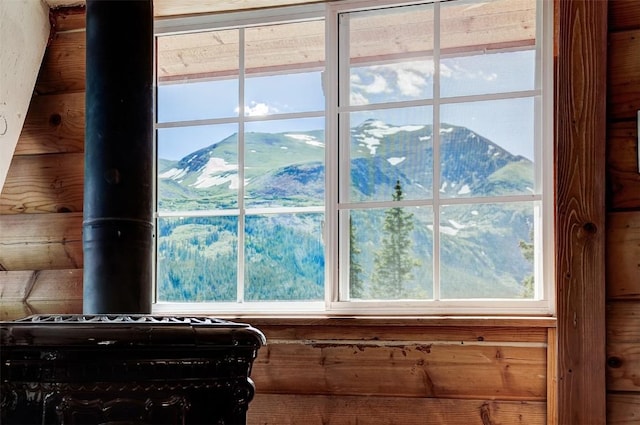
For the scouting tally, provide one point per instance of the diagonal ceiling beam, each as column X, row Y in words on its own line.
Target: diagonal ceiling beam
column 24, row 33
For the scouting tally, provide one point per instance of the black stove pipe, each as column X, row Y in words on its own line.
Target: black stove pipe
column 118, row 181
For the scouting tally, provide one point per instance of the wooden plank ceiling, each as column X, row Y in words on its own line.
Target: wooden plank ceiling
column 164, row 8
column 479, row 27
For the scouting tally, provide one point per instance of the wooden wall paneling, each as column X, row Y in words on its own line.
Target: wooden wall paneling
column 30, row 292
column 623, row 321
column 14, row 287
column 623, row 409
column 409, row 369
column 324, row 330
column 623, row 369
column 44, row 183
column 580, row 210
column 266, row 409
column 54, row 124
column 25, row 246
column 623, row 176
column 623, row 91
column 623, row 255
column 624, row 15
column 63, row 66
column 57, row 292
column 552, row 377
column 68, row 19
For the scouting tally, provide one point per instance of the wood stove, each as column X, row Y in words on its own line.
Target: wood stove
column 117, row 364
column 126, row 369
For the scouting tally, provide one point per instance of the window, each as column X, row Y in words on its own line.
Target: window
column 360, row 157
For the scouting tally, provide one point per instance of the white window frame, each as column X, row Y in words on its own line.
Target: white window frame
column 544, row 300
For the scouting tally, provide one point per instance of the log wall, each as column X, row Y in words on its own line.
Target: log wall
column 623, row 218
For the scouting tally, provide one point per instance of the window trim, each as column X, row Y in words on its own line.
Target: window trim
column 332, row 306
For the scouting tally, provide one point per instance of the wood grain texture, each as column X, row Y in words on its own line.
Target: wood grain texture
column 63, row 67
column 40, row 292
column 623, row 255
column 623, row 321
column 580, row 217
column 54, row 124
column 623, row 178
column 268, row 409
column 44, row 184
column 25, row 246
column 623, row 371
column 408, row 332
column 401, row 368
column 69, row 19
column 552, row 377
column 623, row 409
column 623, row 15
column 623, row 91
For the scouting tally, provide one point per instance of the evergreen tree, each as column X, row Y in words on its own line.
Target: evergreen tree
column 527, row 282
column 355, row 269
column 393, row 263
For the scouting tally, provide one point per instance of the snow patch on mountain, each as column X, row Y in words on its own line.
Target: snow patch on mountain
column 379, row 129
column 210, row 174
column 464, row 190
column 173, row 173
column 309, row 140
column 396, row 160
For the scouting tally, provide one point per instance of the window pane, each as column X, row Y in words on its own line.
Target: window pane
column 487, row 73
column 197, row 259
column 486, row 148
column 197, row 74
column 284, row 257
column 284, row 93
column 391, row 253
column 486, row 250
column 197, row 167
column 284, row 163
column 197, row 100
column 390, row 54
column 388, row 146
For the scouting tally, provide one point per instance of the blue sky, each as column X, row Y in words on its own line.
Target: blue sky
column 509, row 123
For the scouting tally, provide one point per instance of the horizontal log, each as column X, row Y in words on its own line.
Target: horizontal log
column 623, row 321
column 624, row 15
column 44, row 183
column 623, row 255
column 623, row 409
column 407, row 332
column 63, row 67
column 44, row 292
column 405, row 369
column 54, row 124
column 26, row 245
column 623, row 179
column 623, row 85
column 68, row 19
column 267, row 409
column 623, row 366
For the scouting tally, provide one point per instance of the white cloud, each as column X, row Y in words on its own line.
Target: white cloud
column 410, row 83
column 358, row 99
column 256, row 109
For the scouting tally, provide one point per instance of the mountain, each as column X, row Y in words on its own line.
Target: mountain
column 480, row 243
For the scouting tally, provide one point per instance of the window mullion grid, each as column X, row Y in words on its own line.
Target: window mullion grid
column 330, row 230
column 344, row 154
column 240, row 285
column 436, row 151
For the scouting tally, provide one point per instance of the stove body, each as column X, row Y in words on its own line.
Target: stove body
column 126, row 369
